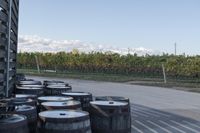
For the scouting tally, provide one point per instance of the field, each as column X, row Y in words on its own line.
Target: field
column 181, row 71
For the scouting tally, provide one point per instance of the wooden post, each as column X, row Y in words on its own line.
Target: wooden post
column 37, row 62
column 164, row 74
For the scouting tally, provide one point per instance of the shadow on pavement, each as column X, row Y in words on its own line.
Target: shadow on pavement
column 148, row 120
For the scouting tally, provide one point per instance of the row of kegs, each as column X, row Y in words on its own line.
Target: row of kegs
column 52, row 107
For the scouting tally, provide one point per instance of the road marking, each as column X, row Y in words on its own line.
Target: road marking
column 149, row 128
column 159, row 126
column 137, row 129
column 175, row 128
column 184, row 126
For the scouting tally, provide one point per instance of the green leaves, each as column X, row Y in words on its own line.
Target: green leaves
column 97, row 62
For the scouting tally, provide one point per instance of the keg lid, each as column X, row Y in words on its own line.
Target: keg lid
column 108, row 103
column 56, row 84
column 60, row 114
column 58, row 87
column 20, row 100
column 76, row 93
column 28, row 88
column 111, row 98
column 61, row 104
column 21, row 108
column 11, row 118
column 29, row 82
column 53, row 81
column 54, row 98
column 33, row 86
column 25, row 96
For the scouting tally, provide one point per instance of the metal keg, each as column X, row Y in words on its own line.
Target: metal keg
column 64, row 122
column 110, row 117
column 31, row 113
column 54, row 82
column 53, row 90
column 12, row 123
column 32, row 86
column 30, row 90
column 20, row 77
column 84, row 97
column 112, row 98
column 5, row 106
column 74, row 105
column 52, row 99
column 29, row 82
column 26, row 96
column 22, row 101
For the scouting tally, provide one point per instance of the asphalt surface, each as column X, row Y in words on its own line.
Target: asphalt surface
column 154, row 109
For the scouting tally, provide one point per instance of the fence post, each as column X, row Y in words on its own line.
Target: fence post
column 164, row 74
column 37, row 63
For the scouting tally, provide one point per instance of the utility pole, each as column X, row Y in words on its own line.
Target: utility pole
column 175, row 48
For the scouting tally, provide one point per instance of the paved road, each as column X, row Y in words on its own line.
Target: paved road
column 154, row 109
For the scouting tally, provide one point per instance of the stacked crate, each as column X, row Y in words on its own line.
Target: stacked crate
column 8, row 45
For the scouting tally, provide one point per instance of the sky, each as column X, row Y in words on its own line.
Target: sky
column 153, row 25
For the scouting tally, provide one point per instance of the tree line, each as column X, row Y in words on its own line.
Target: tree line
column 113, row 63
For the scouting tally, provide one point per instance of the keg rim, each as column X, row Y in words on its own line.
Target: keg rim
column 61, row 104
column 11, row 118
column 25, row 96
column 109, row 103
column 74, row 93
column 29, row 82
column 57, row 114
column 54, row 98
column 111, row 98
column 57, row 87
column 30, row 85
column 29, row 88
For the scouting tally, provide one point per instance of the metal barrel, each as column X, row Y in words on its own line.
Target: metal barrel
column 64, row 122
column 12, row 123
column 29, row 82
column 31, row 86
column 20, row 77
column 53, row 90
column 26, row 96
column 73, row 105
column 51, row 99
column 22, row 101
column 84, row 97
column 110, row 117
column 30, row 90
column 112, row 98
column 54, row 82
column 5, row 106
column 31, row 113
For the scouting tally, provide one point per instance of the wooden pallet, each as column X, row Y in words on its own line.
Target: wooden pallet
column 8, row 53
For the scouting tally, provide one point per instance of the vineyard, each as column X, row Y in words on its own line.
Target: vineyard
column 177, row 67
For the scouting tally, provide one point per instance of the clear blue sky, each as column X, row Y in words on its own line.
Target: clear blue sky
column 154, row 24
